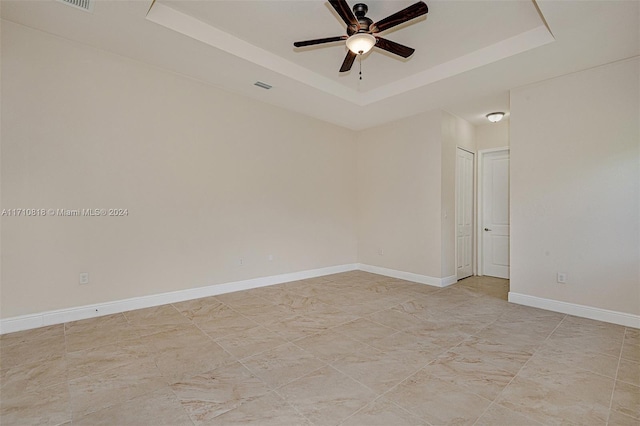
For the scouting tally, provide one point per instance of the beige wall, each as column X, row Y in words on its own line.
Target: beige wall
column 492, row 135
column 575, row 188
column 406, row 190
column 208, row 177
column 399, row 184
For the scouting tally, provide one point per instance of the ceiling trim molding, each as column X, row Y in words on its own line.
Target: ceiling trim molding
column 522, row 42
column 189, row 26
column 201, row 31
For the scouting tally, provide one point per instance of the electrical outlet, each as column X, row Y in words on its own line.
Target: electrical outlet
column 270, row 258
column 241, row 262
column 84, row 278
column 562, row 277
column 380, row 252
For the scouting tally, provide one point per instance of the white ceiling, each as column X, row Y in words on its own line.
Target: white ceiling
column 468, row 53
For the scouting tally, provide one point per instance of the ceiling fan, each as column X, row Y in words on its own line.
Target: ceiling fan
column 362, row 32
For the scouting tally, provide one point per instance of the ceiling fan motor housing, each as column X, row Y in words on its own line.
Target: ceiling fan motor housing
column 360, row 10
column 362, row 32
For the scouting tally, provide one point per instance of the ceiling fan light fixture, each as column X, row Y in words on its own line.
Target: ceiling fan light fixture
column 494, row 117
column 361, row 43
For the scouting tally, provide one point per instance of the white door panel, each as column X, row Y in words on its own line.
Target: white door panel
column 464, row 213
column 495, row 214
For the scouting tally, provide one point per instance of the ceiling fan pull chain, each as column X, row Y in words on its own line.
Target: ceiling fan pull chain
column 360, row 66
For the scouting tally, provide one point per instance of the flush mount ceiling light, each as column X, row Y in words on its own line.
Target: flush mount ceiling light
column 494, row 117
column 361, row 43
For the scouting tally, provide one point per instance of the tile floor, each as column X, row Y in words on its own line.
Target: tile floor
column 348, row 349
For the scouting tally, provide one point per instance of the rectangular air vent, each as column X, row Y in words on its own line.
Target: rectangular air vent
column 86, row 5
column 263, row 85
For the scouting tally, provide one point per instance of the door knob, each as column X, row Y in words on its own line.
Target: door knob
column 487, row 229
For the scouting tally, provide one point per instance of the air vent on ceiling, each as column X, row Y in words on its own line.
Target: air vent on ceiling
column 86, row 5
column 263, row 85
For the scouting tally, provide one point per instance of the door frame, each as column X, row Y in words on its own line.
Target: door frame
column 473, row 213
column 479, row 235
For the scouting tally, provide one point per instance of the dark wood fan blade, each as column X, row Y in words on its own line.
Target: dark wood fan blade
column 345, row 13
column 395, row 48
column 318, row 41
column 348, row 61
column 411, row 12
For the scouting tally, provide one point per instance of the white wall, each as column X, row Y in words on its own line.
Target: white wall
column 207, row 177
column 492, row 135
column 575, row 188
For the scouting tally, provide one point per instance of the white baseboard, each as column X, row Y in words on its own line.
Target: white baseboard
column 615, row 317
column 26, row 322
column 409, row 276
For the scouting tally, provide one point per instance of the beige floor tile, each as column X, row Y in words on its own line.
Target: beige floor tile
column 46, row 406
column 483, row 305
column 504, row 356
column 330, row 346
column 422, row 347
column 478, row 376
column 200, row 310
column 250, row 342
column 103, row 358
column 364, row 330
column 326, row 396
column 380, row 371
column 358, row 308
column 156, row 319
column 465, row 340
column 631, row 352
column 91, row 324
column 441, row 333
column 114, row 386
column 33, row 376
column 267, row 410
column 300, row 326
column 579, row 357
column 590, row 335
column 88, row 339
column 31, row 351
column 267, row 316
column 179, row 336
column 418, row 306
column 226, row 322
column 160, row 407
column 272, row 293
column 541, row 392
column 244, row 301
column 580, row 325
column 497, row 415
column 632, row 336
column 618, row 419
column 100, row 331
column 394, row 319
column 298, row 304
column 626, row 400
column 282, row 364
column 382, row 412
column 209, row 395
column 178, row 363
column 629, row 372
column 31, row 335
column 527, row 313
column 437, row 401
column 515, row 335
